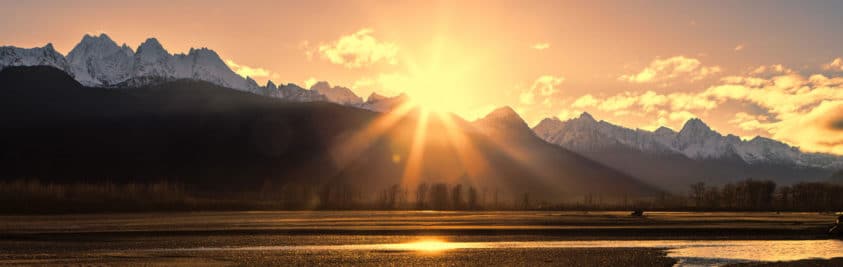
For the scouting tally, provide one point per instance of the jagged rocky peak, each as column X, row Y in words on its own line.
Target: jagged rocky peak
column 320, row 85
column 586, row 116
column 548, row 127
column 662, row 130
column 97, row 39
column 695, row 125
column 550, row 121
column 504, row 112
column 337, row 94
column 374, row 97
column 151, row 45
column 504, row 115
column 270, row 85
column 38, row 56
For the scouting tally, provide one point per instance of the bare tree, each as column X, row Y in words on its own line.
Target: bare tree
column 421, row 195
column 456, row 197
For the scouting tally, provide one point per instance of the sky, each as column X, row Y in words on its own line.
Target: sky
column 750, row 68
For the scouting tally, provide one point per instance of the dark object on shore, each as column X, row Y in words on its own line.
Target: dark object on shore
column 835, row 229
column 637, row 213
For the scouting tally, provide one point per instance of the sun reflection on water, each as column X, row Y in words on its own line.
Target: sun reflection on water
column 427, row 245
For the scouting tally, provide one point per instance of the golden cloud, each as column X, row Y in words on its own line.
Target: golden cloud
column 661, row 70
column 359, row 49
column 835, row 65
column 587, row 100
column 541, row 46
column 544, row 86
column 252, row 72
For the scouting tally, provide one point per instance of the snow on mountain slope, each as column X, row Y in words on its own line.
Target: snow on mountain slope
column 98, row 61
column 696, row 140
column 586, row 133
column 337, row 94
column 379, row 103
column 38, row 56
column 296, row 93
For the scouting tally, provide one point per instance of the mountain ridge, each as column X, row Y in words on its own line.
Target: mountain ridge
column 695, row 153
column 230, row 141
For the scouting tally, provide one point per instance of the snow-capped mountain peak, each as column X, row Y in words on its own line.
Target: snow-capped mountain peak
column 336, row 94
column 98, row 60
column 696, row 140
column 45, row 56
column 152, row 46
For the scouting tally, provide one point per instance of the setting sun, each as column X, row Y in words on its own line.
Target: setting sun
column 421, row 133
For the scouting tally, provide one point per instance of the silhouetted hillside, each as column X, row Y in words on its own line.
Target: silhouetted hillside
column 213, row 139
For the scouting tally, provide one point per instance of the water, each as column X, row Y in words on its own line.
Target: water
column 687, row 252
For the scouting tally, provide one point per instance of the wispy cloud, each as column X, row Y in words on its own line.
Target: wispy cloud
column 739, row 47
column 806, row 111
column 247, row 71
column 677, row 67
column 543, row 87
column 359, row 49
column 541, row 46
column 835, row 65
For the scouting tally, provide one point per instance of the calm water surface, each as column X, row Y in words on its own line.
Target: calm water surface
column 687, row 252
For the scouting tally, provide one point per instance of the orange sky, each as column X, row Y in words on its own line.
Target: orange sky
column 750, row 68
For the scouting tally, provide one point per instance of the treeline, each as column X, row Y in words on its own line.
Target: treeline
column 32, row 196
column 765, row 195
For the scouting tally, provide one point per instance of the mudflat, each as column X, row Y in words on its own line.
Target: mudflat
column 526, row 238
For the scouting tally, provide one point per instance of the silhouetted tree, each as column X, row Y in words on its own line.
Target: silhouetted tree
column 439, row 196
column 456, row 197
column 697, row 193
column 525, row 200
column 421, row 195
column 472, row 198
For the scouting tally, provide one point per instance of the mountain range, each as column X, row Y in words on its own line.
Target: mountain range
column 663, row 157
column 98, row 61
column 696, row 152
column 214, row 139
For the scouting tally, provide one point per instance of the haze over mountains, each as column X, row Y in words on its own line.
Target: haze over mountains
column 696, row 152
column 220, row 140
column 98, row 61
column 665, row 158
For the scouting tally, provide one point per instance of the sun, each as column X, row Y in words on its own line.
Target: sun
column 437, row 89
column 441, row 80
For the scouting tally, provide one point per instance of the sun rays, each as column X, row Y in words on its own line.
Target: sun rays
column 450, row 133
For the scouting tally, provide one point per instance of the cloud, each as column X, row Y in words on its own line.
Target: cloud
column 837, row 124
column 544, row 86
column 252, row 72
column 811, row 129
column 585, row 101
column 661, row 70
column 618, row 102
column 567, row 114
column 359, row 49
column 648, row 101
column 681, row 116
column 541, row 46
column 834, row 65
column 310, row 82
column 802, row 111
column 771, row 70
column 739, row 47
column 749, row 122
